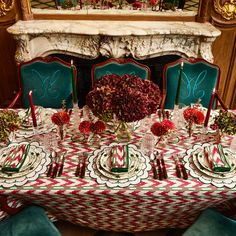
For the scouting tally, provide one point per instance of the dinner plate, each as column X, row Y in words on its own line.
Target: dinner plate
column 99, row 167
column 44, row 123
column 203, row 167
column 229, row 155
column 135, row 164
column 35, row 163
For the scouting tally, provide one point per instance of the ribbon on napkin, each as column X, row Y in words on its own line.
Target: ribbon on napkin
column 219, row 162
column 119, row 158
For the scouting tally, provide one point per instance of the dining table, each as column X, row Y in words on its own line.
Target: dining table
column 167, row 186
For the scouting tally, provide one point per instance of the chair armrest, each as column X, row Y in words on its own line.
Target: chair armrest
column 13, row 102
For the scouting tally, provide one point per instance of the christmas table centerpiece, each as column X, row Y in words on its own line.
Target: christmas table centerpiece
column 128, row 98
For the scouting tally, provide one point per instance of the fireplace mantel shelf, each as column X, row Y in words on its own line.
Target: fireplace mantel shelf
column 89, row 39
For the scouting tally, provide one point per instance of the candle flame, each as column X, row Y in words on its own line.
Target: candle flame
column 71, row 62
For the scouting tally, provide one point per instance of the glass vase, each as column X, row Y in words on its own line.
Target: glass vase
column 122, row 132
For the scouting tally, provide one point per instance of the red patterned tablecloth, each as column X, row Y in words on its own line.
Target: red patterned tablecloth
column 148, row 205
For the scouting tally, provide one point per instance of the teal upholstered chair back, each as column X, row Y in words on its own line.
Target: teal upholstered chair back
column 50, row 79
column 120, row 66
column 199, row 78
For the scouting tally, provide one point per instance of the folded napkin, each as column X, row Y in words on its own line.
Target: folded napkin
column 119, row 158
column 218, row 159
column 16, row 159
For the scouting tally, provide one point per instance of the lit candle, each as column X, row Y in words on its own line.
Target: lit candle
column 179, row 84
column 32, row 108
column 209, row 108
column 74, row 92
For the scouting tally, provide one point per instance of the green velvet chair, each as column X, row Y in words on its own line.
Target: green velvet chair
column 199, row 78
column 119, row 66
column 49, row 78
column 212, row 223
column 30, row 221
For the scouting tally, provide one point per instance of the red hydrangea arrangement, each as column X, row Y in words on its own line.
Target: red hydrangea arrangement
column 129, row 97
column 162, row 128
column 193, row 116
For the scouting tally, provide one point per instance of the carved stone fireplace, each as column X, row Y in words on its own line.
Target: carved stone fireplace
column 91, row 41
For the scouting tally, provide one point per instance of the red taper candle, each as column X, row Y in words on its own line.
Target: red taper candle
column 32, row 108
column 209, row 108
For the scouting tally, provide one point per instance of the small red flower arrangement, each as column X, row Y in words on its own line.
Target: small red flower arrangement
column 162, row 128
column 60, row 118
column 85, row 127
column 193, row 116
column 98, row 127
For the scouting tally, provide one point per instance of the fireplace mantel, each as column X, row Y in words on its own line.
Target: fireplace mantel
column 90, row 39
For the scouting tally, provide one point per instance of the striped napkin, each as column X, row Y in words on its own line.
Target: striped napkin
column 16, row 158
column 219, row 161
column 119, row 158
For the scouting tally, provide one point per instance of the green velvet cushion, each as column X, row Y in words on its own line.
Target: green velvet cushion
column 51, row 83
column 120, row 69
column 31, row 221
column 212, row 223
column 197, row 82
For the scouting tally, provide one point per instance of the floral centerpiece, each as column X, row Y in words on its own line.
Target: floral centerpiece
column 193, row 115
column 9, row 122
column 127, row 97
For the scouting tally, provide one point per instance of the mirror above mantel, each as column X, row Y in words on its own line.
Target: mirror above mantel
column 122, row 10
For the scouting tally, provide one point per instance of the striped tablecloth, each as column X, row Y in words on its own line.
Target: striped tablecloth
column 149, row 205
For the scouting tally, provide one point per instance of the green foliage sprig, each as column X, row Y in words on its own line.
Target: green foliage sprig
column 226, row 122
column 9, row 121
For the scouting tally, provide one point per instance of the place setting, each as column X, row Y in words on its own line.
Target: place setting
column 212, row 164
column 118, row 165
column 22, row 162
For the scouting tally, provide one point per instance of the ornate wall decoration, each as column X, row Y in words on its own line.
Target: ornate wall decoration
column 6, row 6
column 227, row 10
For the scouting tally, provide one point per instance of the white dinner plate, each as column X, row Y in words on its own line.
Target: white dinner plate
column 35, row 163
column 229, row 155
column 201, row 164
column 135, row 164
